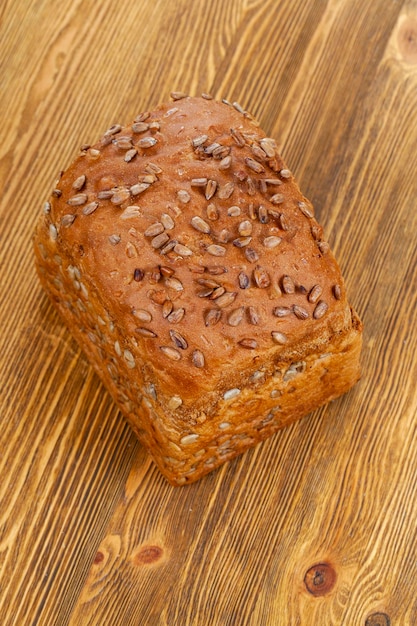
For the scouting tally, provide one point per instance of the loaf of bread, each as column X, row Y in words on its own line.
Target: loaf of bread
column 191, row 270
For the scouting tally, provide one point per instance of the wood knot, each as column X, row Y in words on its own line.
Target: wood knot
column 378, row 619
column 148, row 555
column 320, row 579
column 407, row 40
column 98, row 558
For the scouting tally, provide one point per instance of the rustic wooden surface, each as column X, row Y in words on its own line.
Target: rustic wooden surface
column 317, row 526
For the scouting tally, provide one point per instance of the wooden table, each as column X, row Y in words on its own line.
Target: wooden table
column 317, row 526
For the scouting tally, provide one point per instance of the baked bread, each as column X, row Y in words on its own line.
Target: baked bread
column 185, row 261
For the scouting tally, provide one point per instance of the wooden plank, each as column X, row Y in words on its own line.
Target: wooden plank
column 90, row 533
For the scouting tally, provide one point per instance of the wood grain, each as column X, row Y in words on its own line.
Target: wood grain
column 316, row 525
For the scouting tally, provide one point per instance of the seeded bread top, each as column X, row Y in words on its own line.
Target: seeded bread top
column 197, row 240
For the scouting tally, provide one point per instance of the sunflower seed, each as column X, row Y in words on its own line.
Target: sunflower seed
column 277, row 198
column 198, row 359
column 171, row 353
column 123, row 143
column 243, row 280
column 212, row 317
column 251, row 255
column 248, row 343
column 216, row 293
column 236, row 316
column 320, row 310
column 225, row 163
column 231, row 393
column 145, row 332
column 168, row 247
column 306, row 210
column 233, row 211
column 176, row 316
column 253, row 315
column 152, row 168
column 178, row 340
column 263, row 214
column 114, row 239
column 67, row 220
column 272, row 242
column 210, row 149
column 254, row 165
column 167, row 308
column 226, row 191
column 130, row 211
column 78, row 200
column 261, row 277
column 216, row 250
column 245, row 228
column 238, row 137
column 79, row 182
column 208, row 282
column 105, row 194
column 268, row 145
column 278, row 337
column 147, row 142
column 89, row 208
column 259, row 152
column 113, row 130
column 238, row 107
column 159, row 240
column 53, row 232
column 199, row 224
column 183, row 196
column 198, row 182
column 212, row 212
column 155, row 229
column 288, row 284
column 210, row 189
column 155, row 125
column 285, row 173
column 337, row 292
column 140, row 127
column 129, row 358
column 120, row 196
column 187, row 439
column 221, row 152
column 215, row 270
column 47, row 208
column 142, row 315
column 130, row 155
column 198, row 141
column 281, row 311
column 167, row 221
column 226, row 299
column 174, row 283
column 241, row 242
column 300, row 312
column 182, row 250
column 315, row 294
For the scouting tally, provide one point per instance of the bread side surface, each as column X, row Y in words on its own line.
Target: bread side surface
column 192, row 272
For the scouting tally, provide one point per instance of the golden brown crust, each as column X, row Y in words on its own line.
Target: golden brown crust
column 183, row 256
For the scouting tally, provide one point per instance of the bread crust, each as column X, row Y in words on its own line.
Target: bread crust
column 190, row 268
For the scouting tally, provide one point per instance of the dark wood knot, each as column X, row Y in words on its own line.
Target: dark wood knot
column 148, row 555
column 320, row 579
column 378, row 619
